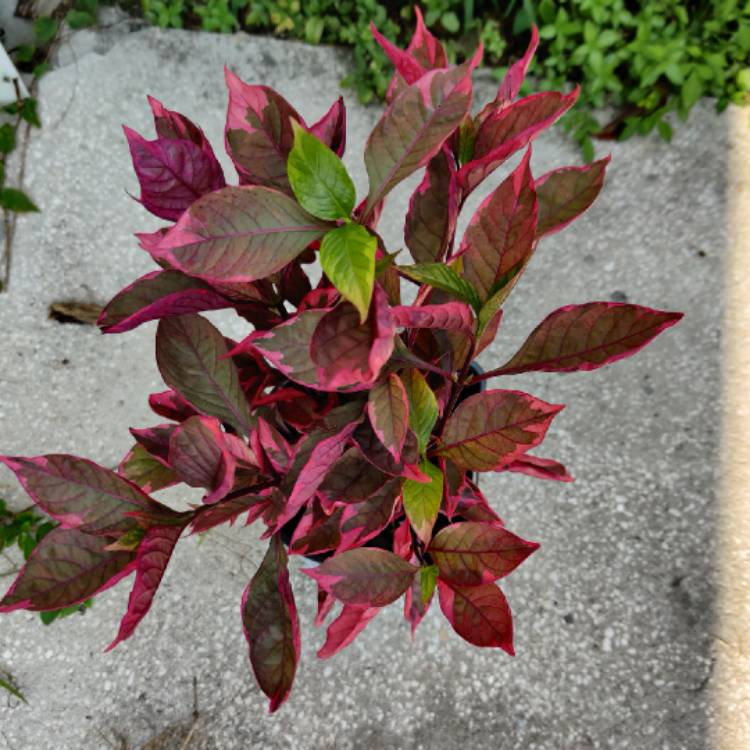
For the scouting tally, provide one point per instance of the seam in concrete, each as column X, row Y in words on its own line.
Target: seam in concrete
column 731, row 684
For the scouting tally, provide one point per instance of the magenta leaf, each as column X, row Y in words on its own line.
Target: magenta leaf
column 155, row 440
column 172, row 173
column 388, row 410
column 345, row 628
column 377, row 454
column 200, row 455
column 170, row 124
column 362, row 521
column 500, row 237
column 564, row 194
column 325, row 605
column 585, row 337
column 433, row 211
column 449, row 316
column 274, row 446
column 317, row 531
column 269, row 618
column 151, row 561
column 239, row 234
column 479, row 614
column 351, row 479
column 510, row 129
column 66, row 568
column 349, row 353
column 258, row 134
column 192, row 359
column 405, row 64
column 146, row 471
column 80, row 494
column 492, row 429
column 171, row 405
column 424, row 47
column 365, row 577
column 541, row 468
column 470, row 504
column 158, row 294
column 331, row 128
column 228, row 510
column 414, row 127
column 470, row 554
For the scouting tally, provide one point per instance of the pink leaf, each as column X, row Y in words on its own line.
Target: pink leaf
column 351, row 479
column 274, row 446
column 239, row 234
column 349, row 353
column 388, row 410
column 171, row 405
column 269, row 618
column 66, row 568
column 172, row 173
column 170, row 124
column 449, row 316
column 586, row 337
column 80, row 494
column 564, row 194
column 471, row 505
column 227, row 511
column 500, row 237
column 377, row 454
column 155, row 440
column 362, row 521
column 406, row 65
column 479, row 614
column 541, row 468
column 366, row 577
column 433, row 211
column 425, row 48
column 317, row 532
column 331, row 128
column 158, row 294
column 151, row 561
column 492, row 429
column 510, row 129
column 200, row 455
column 258, row 134
column 325, row 605
column 192, row 358
column 345, row 628
column 470, row 554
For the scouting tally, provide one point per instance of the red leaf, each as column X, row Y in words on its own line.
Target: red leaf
column 269, row 618
column 274, row 446
column 470, row 554
column 200, row 455
column 345, row 628
column 586, row 337
column 500, row 237
column 471, row 505
column 226, row 511
column 349, row 353
column 492, row 429
column 351, row 479
column 449, row 316
column 377, row 454
column 425, row 48
column 331, row 128
column 317, row 531
column 406, row 65
column 433, row 211
column 80, row 494
column 510, row 129
column 151, row 561
column 66, row 568
column 170, row 124
column 366, row 577
column 172, row 173
column 564, row 194
column 541, row 468
column 171, row 405
column 388, row 410
column 155, row 440
column 158, row 294
column 258, row 134
column 360, row 522
column 479, row 614
column 325, row 605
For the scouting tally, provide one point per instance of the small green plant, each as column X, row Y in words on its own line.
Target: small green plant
column 644, row 59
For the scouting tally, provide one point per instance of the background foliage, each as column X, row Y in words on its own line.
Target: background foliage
column 645, row 59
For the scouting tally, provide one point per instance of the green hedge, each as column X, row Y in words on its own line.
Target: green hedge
column 645, row 59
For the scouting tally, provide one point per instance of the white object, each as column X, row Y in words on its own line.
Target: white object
column 9, row 74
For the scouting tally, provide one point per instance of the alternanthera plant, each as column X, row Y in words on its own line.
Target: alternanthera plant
column 340, row 422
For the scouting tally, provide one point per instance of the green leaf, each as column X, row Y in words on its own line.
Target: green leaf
column 428, row 576
column 12, row 689
column 318, row 177
column 78, row 19
column 347, row 255
column 450, row 22
column 422, row 500
column 45, row 29
column 443, row 277
column 16, row 200
column 7, row 138
column 423, row 406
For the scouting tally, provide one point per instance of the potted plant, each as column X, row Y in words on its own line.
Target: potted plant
column 340, row 422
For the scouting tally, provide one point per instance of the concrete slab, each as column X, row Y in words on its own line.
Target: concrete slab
column 614, row 613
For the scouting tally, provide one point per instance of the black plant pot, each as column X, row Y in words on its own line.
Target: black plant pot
column 384, row 540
